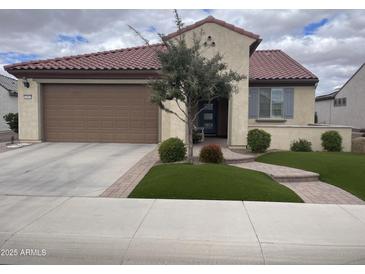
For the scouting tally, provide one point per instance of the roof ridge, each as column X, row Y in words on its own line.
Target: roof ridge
column 352, row 76
column 268, row 50
column 212, row 19
column 80, row 55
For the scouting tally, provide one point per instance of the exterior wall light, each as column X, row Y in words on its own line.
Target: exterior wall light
column 26, row 83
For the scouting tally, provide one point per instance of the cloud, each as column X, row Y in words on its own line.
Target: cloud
column 332, row 51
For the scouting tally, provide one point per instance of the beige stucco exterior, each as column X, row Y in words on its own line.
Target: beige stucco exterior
column 170, row 125
column 304, row 97
column 29, row 112
column 235, row 50
column 283, row 135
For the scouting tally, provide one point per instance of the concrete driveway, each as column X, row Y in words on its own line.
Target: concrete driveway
column 66, row 169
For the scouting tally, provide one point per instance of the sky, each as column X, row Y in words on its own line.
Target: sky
column 330, row 43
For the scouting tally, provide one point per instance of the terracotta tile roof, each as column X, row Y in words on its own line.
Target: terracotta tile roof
column 211, row 19
column 276, row 65
column 264, row 64
column 136, row 58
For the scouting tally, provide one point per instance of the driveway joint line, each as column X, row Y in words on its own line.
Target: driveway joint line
column 352, row 215
column 33, row 221
column 135, row 232
column 253, row 227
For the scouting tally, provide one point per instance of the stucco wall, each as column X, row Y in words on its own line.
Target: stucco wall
column 29, row 112
column 235, row 50
column 7, row 104
column 282, row 136
column 304, row 98
column 324, row 110
column 170, row 125
column 353, row 114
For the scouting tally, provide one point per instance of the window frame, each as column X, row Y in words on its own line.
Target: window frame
column 282, row 117
column 340, row 102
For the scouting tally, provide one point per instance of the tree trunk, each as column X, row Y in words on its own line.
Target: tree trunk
column 190, row 123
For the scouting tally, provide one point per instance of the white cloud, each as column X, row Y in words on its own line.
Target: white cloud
column 333, row 53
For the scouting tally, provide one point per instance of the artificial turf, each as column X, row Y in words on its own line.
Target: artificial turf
column 343, row 169
column 210, row 182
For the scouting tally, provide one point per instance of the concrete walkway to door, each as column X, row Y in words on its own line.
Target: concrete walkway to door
column 84, row 230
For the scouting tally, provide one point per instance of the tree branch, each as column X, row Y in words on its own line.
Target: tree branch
column 162, row 106
column 140, row 35
column 177, row 102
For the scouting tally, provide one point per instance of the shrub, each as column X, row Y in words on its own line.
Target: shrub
column 301, row 145
column 211, row 154
column 12, row 120
column 258, row 140
column 172, row 150
column 331, row 141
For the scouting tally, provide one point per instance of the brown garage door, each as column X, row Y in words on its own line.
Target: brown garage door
column 99, row 113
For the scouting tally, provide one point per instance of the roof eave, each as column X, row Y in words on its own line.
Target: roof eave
column 254, row 46
column 85, row 74
column 284, row 82
column 318, row 99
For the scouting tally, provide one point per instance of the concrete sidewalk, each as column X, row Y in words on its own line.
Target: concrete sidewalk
column 142, row 231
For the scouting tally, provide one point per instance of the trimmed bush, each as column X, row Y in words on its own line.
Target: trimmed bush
column 258, row 140
column 211, row 154
column 331, row 141
column 301, row 145
column 172, row 150
column 12, row 120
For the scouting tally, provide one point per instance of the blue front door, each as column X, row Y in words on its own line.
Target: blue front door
column 208, row 117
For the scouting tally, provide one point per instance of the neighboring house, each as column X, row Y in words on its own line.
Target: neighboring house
column 8, row 99
column 345, row 106
column 103, row 97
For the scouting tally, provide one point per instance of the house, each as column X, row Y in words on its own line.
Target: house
column 103, row 97
column 344, row 106
column 8, row 99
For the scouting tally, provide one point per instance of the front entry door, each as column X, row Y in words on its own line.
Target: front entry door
column 208, row 118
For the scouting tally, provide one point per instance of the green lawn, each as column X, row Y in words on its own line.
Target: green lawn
column 210, row 182
column 342, row 169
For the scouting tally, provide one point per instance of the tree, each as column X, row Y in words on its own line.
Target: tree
column 188, row 78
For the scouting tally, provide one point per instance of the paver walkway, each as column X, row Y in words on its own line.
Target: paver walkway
column 281, row 173
column 318, row 192
column 125, row 184
column 306, row 184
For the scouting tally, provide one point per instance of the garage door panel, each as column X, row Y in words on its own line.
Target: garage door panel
column 99, row 113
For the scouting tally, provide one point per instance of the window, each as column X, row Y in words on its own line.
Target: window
column 339, row 102
column 277, row 101
column 271, row 102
